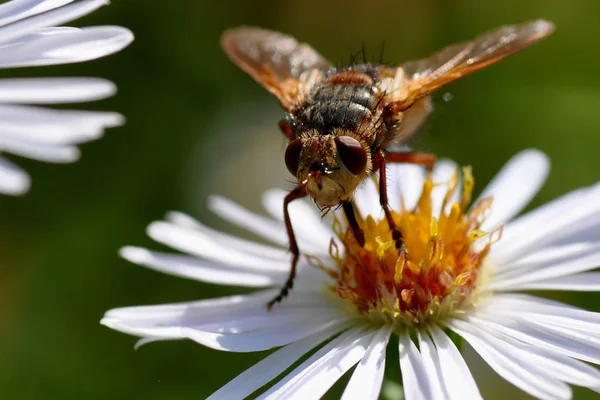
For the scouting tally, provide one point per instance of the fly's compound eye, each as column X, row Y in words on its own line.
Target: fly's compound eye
column 292, row 155
column 352, row 153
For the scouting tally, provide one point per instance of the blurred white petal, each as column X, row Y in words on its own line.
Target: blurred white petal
column 19, row 9
column 54, row 90
column 29, row 36
column 64, row 46
column 53, row 17
column 13, row 180
column 48, row 153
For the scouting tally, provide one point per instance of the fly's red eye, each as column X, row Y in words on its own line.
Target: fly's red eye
column 286, row 129
column 352, row 153
column 292, row 155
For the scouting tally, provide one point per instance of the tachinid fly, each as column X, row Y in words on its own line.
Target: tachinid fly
column 340, row 123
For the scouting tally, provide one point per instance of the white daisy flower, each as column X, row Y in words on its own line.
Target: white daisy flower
column 31, row 35
column 459, row 273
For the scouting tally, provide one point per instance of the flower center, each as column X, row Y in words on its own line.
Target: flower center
column 434, row 274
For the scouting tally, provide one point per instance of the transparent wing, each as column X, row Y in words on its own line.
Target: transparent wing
column 430, row 74
column 273, row 59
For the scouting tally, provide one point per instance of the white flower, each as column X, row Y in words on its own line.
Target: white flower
column 31, row 35
column 349, row 301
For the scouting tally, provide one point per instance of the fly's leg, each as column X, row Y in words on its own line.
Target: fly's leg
column 383, row 200
column 426, row 159
column 359, row 235
column 297, row 193
column 407, row 157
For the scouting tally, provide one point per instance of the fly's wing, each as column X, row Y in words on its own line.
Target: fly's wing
column 273, row 59
column 430, row 74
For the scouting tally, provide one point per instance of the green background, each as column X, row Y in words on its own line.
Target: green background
column 197, row 125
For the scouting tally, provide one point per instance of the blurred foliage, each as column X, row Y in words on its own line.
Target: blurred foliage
column 198, row 125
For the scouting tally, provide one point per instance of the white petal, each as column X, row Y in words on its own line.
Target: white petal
column 366, row 198
column 238, row 323
column 201, row 270
column 13, row 180
column 416, row 386
column 549, row 255
column 65, row 46
column 54, row 17
column 366, row 380
column 408, row 182
column 533, row 334
column 166, row 320
column 457, row 377
column 404, row 186
column 516, row 305
column 519, row 277
column 430, row 359
column 269, row 368
column 162, row 314
column 202, row 245
column 514, row 186
column 231, row 241
column 267, row 228
column 554, row 365
column 308, row 225
column 317, row 374
column 183, row 220
column 54, row 90
column 554, row 222
column 584, row 282
column 266, row 338
column 20, row 9
column 510, row 364
column 443, row 171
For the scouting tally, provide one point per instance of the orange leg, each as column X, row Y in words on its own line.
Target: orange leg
column 426, row 159
column 297, row 193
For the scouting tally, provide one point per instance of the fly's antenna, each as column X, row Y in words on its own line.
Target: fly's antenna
column 364, row 52
column 381, row 52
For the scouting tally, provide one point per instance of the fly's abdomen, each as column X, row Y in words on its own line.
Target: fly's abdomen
column 338, row 106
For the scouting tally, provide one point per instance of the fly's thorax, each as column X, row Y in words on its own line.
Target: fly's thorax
column 333, row 165
column 349, row 100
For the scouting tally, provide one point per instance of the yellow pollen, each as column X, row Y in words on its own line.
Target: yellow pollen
column 435, row 272
column 382, row 246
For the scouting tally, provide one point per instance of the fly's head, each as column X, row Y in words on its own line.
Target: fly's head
column 330, row 167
